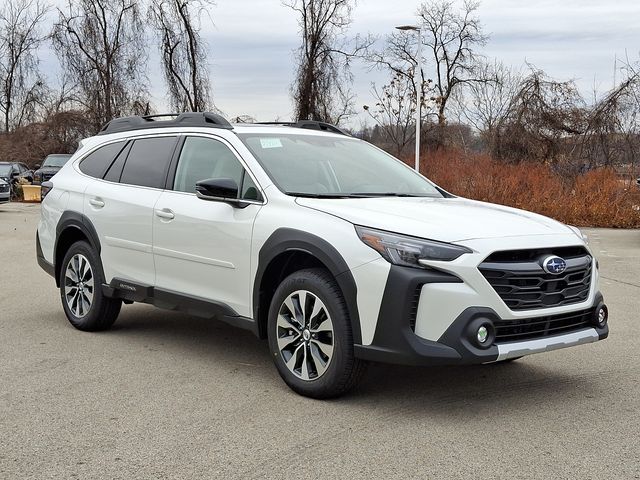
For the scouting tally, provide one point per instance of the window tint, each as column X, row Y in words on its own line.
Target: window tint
column 115, row 170
column 148, row 161
column 97, row 162
column 204, row 158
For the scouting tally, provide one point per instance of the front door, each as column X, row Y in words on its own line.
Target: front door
column 203, row 248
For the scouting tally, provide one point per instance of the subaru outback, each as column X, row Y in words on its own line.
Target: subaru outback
column 331, row 249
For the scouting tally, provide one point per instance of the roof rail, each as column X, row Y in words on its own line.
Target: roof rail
column 311, row 125
column 189, row 119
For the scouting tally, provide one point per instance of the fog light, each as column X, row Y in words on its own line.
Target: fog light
column 602, row 316
column 482, row 334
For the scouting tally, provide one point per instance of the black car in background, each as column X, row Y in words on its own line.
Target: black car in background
column 11, row 171
column 51, row 165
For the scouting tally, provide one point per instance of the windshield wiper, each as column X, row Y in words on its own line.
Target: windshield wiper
column 386, row 194
column 355, row 195
column 317, row 195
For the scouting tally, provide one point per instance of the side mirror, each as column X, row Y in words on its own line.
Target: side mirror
column 218, row 189
column 14, row 174
column 37, row 166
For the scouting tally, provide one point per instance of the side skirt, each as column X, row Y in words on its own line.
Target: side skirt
column 168, row 300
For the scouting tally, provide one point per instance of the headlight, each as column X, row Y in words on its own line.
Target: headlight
column 37, row 177
column 579, row 233
column 408, row 251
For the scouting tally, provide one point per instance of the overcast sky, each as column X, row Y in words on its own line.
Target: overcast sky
column 252, row 42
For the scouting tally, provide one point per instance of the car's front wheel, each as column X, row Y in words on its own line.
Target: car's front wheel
column 81, row 280
column 310, row 335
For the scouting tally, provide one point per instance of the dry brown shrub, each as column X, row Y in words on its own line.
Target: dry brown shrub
column 596, row 199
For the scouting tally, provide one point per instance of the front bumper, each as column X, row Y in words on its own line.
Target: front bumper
column 396, row 341
column 5, row 192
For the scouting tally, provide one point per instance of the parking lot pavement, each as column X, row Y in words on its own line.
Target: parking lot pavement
column 164, row 395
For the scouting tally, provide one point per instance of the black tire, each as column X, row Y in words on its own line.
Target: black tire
column 344, row 371
column 102, row 311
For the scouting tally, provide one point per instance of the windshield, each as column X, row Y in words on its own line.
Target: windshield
column 5, row 170
column 56, row 160
column 323, row 166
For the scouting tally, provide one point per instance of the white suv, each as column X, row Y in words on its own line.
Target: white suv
column 332, row 249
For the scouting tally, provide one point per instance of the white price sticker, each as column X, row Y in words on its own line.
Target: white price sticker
column 270, row 143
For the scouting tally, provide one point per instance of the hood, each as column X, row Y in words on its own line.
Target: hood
column 444, row 219
column 48, row 170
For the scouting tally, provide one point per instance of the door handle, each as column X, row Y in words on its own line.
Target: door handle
column 165, row 214
column 96, row 203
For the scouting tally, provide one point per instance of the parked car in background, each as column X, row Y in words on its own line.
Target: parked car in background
column 51, row 165
column 5, row 191
column 11, row 171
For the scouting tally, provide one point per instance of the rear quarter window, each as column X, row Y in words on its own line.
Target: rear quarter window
column 148, row 162
column 97, row 162
column 115, row 170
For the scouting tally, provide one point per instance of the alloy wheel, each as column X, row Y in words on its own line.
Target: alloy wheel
column 79, row 285
column 305, row 335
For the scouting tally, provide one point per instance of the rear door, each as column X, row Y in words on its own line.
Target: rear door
column 203, row 248
column 120, row 205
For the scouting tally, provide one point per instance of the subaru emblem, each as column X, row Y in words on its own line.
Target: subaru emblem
column 554, row 265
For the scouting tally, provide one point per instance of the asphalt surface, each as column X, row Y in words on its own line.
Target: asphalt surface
column 163, row 395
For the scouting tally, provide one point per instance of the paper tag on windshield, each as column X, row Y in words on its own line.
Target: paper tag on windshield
column 270, row 143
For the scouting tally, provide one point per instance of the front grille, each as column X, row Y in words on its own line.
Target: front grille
column 528, row 328
column 4, row 188
column 47, row 176
column 521, row 282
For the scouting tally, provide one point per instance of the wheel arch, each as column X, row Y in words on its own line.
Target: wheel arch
column 288, row 250
column 72, row 227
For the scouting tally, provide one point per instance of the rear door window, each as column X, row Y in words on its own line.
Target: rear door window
column 148, row 162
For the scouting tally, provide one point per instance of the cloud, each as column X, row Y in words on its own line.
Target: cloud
column 252, row 44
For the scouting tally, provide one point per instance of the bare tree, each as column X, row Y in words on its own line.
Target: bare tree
column 101, row 45
column 321, row 88
column 489, row 98
column 398, row 56
column 21, row 85
column 612, row 134
column 183, row 52
column 541, row 117
column 484, row 104
column 395, row 109
column 451, row 36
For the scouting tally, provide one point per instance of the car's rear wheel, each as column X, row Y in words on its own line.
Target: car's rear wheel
column 81, row 280
column 310, row 335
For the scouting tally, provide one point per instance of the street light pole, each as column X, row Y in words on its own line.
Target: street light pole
column 418, row 83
